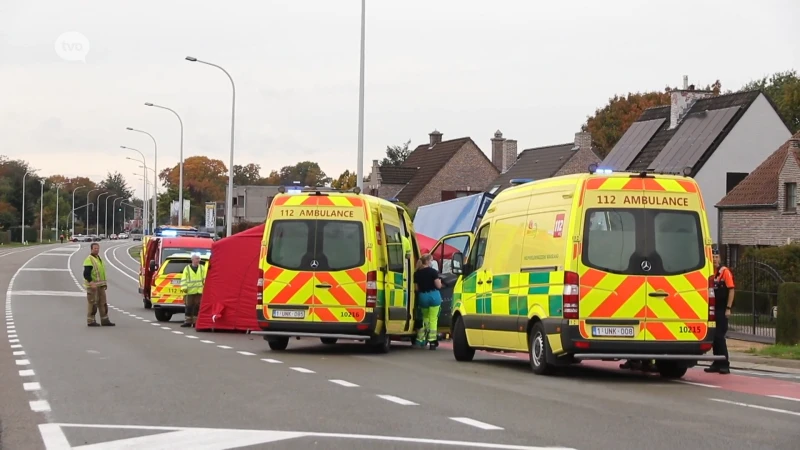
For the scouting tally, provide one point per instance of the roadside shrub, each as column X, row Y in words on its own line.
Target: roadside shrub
column 785, row 259
column 5, row 237
column 787, row 331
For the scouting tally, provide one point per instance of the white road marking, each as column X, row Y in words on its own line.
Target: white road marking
column 11, row 327
column 225, row 347
column 476, row 423
column 785, row 398
column 136, row 317
column 108, row 260
column 398, row 400
column 748, row 405
column 302, row 370
column 16, row 346
column 147, row 321
column 192, row 337
column 272, row 361
column 13, row 341
column 44, row 269
column 31, row 386
column 155, row 324
column 343, row 383
column 12, row 336
column 23, row 362
column 696, row 384
column 178, row 332
column 49, row 293
column 246, row 353
column 166, row 328
column 26, row 373
column 19, row 353
column 40, row 406
column 207, row 342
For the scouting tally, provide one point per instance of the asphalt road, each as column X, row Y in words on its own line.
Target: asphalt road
column 147, row 385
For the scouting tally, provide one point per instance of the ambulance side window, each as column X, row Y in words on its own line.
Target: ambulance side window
column 443, row 254
column 394, row 248
column 478, row 252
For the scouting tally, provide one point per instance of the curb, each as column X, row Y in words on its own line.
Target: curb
column 761, row 368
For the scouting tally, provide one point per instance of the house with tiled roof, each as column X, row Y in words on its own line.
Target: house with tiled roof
column 762, row 208
column 434, row 171
column 545, row 162
column 719, row 140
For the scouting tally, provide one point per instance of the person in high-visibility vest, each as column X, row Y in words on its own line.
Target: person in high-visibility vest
column 192, row 281
column 94, row 276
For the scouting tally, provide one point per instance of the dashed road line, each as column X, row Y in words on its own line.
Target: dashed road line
column 302, row 370
column 192, row 337
column 344, row 383
column 23, row 362
column 33, row 386
column 16, row 346
column 20, row 353
column 166, row 328
column 207, row 342
column 40, row 406
column 246, row 353
column 177, row 332
column 26, row 373
column 398, row 400
column 476, row 423
column 224, row 347
column 271, row 361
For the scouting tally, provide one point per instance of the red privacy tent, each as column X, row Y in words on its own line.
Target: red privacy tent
column 229, row 296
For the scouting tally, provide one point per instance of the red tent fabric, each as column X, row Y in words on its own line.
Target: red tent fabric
column 229, row 296
column 426, row 245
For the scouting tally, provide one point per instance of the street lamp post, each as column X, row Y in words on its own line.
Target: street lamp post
column 155, row 169
column 86, row 227
column 145, row 206
column 105, row 227
column 41, row 212
column 180, row 166
column 22, row 225
column 229, row 200
column 360, row 168
column 72, row 233
column 97, row 202
column 58, row 187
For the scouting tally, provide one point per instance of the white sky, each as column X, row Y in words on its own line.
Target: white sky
column 533, row 69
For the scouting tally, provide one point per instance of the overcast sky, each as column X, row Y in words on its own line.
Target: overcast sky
column 533, row 69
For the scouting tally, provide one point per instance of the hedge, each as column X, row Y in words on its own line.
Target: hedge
column 787, row 330
column 785, row 259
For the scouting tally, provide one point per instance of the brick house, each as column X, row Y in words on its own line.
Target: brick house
column 762, row 209
column 436, row 171
column 544, row 162
column 720, row 139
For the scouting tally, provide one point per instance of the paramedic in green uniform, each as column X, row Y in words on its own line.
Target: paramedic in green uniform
column 94, row 276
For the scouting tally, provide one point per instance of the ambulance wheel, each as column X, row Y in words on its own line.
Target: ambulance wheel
column 538, row 349
column 147, row 304
column 381, row 343
column 461, row 349
column 278, row 344
column 671, row 369
column 163, row 316
column 329, row 341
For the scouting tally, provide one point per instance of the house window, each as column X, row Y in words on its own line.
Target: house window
column 791, row 197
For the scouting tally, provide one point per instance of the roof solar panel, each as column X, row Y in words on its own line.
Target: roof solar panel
column 695, row 135
column 632, row 142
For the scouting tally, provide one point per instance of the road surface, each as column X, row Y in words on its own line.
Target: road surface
column 148, row 385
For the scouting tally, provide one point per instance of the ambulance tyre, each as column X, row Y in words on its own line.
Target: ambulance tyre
column 671, row 369
column 329, row 341
column 278, row 344
column 163, row 316
column 538, row 350
column 461, row 349
column 381, row 343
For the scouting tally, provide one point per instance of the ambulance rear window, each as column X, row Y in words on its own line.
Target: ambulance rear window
column 621, row 241
column 316, row 245
column 175, row 267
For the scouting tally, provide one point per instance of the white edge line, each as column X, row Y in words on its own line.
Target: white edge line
column 781, row 397
column 696, row 384
column 748, row 405
column 476, row 423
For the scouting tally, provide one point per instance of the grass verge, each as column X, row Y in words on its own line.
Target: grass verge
column 778, row 351
column 135, row 251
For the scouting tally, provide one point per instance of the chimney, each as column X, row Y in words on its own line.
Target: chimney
column 682, row 100
column 583, row 140
column 436, row 138
column 497, row 150
column 509, row 154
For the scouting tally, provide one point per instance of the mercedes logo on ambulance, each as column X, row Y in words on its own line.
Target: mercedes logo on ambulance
column 315, row 264
column 645, row 266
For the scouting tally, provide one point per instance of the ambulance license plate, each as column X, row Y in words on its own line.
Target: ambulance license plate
column 289, row 313
column 176, row 282
column 613, row 331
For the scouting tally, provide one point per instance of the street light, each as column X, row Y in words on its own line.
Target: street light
column 105, row 227
column 86, row 227
column 22, row 227
column 155, row 168
column 229, row 200
column 145, row 206
column 180, row 166
column 97, row 219
column 58, row 186
column 360, row 168
column 41, row 211
column 73, row 209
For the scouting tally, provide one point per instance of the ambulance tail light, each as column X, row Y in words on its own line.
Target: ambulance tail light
column 571, row 295
column 712, row 300
column 261, row 279
column 372, row 289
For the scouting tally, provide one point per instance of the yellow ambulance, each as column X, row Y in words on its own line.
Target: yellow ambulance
column 593, row 266
column 165, row 293
column 336, row 266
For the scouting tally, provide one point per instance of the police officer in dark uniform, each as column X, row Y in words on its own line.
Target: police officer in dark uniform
column 723, row 296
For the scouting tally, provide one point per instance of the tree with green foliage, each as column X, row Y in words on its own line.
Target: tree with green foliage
column 396, row 155
column 307, row 173
column 784, row 89
column 346, row 181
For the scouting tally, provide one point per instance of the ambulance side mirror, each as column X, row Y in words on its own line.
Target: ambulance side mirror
column 153, row 266
column 456, row 263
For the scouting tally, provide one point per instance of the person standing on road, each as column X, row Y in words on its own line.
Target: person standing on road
column 428, row 283
column 193, row 279
column 94, row 275
column 723, row 296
